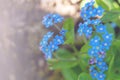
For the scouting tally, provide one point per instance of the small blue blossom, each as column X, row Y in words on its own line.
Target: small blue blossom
column 90, row 12
column 81, row 29
column 88, row 31
column 91, row 3
column 86, row 23
column 95, row 41
column 92, row 52
column 57, row 18
column 101, row 76
column 106, row 45
column 53, row 46
column 50, row 19
column 83, row 14
column 91, row 68
column 100, row 11
column 48, row 55
column 95, row 21
column 45, row 39
column 107, row 37
column 102, row 66
column 98, row 48
column 45, row 49
column 63, row 32
column 59, row 39
column 94, row 74
column 47, row 21
column 101, row 28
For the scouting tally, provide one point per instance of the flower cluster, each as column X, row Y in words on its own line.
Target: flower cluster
column 51, row 19
column 87, row 13
column 48, row 46
column 99, row 44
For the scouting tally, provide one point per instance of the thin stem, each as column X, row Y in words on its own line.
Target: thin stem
column 57, row 27
column 74, row 48
column 84, row 38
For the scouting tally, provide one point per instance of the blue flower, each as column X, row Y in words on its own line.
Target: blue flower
column 90, row 12
column 81, row 29
column 83, row 14
column 57, row 18
column 95, row 41
column 45, row 49
column 100, row 11
column 48, row 47
column 48, row 55
column 106, row 45
column 88, row 31
column 91, row 68
column 53, row 46
column 94, row 74
column 50, row 19
column 47, row 20
column 87, row 11
column 45, row 39
column 101, row 76
column 92, row 52
column 101, row 28
column 87, row 22
column 63, row 32
column 98, row 48
column 59, row 40
column 91, row 3
column 107, row 37
column 102, row 65
column 95, row 21
column 98, row 43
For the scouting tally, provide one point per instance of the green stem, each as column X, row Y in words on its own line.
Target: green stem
column 85, row 39
column 74, row 48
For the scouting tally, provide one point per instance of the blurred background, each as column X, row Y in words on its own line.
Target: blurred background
column 20, row 33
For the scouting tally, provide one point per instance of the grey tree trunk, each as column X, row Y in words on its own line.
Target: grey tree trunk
column 20, row 33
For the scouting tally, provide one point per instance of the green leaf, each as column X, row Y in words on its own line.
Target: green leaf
column 116, row 50
column 114, row 65
column 110, row 16
column 84, row 58
column 64, row 54
column 103, row 4
column 83, row 62
column 69, row 26
column 85, row 48
column 62, row 63
column 110, row 67
column 69, row 74
column 84, row 76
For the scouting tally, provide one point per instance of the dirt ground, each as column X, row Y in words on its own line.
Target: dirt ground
column 20, row 33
